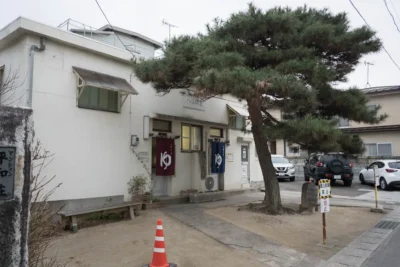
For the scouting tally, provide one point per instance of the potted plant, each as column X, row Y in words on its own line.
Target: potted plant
column 153, row 203
column 137, row 186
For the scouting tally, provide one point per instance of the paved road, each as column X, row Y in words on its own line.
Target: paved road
column 337, row 189
column 387, row 254
column 356, row 191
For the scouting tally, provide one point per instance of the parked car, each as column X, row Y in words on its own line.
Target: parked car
column 387, row 173
column 283, row 168
column 334, row 166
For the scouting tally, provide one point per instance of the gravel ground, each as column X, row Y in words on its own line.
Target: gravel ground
column 130, row 243
column 302, row 231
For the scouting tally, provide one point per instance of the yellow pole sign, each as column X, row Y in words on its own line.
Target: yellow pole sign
column 324, row 194
column 376, row 186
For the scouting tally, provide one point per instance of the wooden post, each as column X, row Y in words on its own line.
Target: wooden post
column 324, row 196
column 376, row 189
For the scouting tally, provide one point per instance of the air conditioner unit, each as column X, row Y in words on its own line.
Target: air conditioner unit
column 210, row 183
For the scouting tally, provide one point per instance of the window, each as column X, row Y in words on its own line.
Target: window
column 162, row 126
column 98, row 99
column 279, row 160
column 191, row 138
column 394, row 165
column 344, row 122
column 383, row 149
column 371, row 150
column 371, row 107
column 313, row 159
column 236, row 121
column 378, row 165
column 294, row 150
column 216, row 132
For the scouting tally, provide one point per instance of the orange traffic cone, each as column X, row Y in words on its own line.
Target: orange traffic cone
column 159, row 254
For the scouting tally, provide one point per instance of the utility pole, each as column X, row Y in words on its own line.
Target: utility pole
column 368, row 64
column 164, row 22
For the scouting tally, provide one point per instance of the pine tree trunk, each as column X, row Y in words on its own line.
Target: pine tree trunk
column 272, row 198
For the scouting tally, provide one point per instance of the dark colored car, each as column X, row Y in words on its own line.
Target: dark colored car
column 333, row 166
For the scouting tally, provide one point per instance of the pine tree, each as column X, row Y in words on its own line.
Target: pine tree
column 282, row 57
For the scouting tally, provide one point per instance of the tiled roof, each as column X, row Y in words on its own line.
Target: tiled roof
column 376, row 128
column 381, row 89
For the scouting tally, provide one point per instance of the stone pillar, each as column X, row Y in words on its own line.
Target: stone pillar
column 16, row 134
column 309, row 197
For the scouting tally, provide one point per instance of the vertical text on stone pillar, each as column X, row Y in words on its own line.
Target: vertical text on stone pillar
column 7, row 171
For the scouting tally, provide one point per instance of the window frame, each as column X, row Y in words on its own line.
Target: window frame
column 293, row 147
column 233, row 118
column 191, row 150
column 98, row 108
column 377, row 150
column 377, row 163
column 161, row 130
column 369, row 144
column 381, row 165
column 372, row 106
column 221, row 130
column 391, row 149
column 347, row 123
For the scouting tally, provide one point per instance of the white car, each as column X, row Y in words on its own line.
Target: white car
column 283, row 168
column 387, row 173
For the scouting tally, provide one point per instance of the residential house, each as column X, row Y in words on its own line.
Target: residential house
column 103, row 124
column 282, row 147
column 383, row 139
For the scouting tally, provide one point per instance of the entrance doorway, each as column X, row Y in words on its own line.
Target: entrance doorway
column 273, row 147
column 159, row 183
column 244, row 156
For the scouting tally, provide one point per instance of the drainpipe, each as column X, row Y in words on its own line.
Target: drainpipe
column 32, row 50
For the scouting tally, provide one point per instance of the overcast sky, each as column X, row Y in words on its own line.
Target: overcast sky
column 145, row 17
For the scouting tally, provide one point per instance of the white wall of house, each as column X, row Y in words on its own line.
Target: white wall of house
column 13, row 63
column 92, row 152
column 140, row 47
column 93, row 156
column 233, row 169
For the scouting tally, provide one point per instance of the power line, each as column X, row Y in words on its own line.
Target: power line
column 395, row 10
column 394, row 20
column 394, row 62
column 113, row 29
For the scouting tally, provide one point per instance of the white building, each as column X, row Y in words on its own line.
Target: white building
column 90, row 129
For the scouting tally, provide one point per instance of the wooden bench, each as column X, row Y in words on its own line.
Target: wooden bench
column 69, row 216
